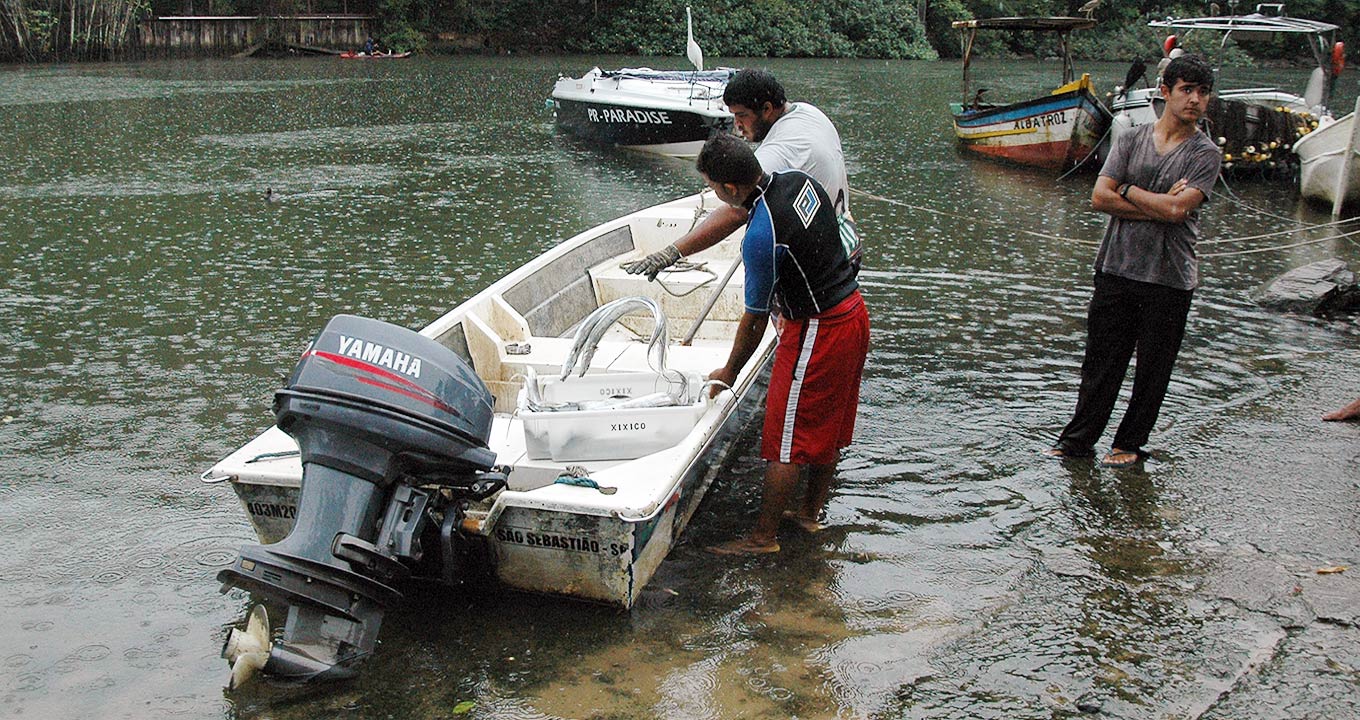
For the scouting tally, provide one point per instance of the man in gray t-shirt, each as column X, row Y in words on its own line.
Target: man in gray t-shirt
column 792, row 136
column 1152, row 185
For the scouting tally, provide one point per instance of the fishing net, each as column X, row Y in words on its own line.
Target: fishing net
column 1256, row 138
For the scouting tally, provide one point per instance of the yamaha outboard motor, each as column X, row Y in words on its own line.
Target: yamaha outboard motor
column 392, row 429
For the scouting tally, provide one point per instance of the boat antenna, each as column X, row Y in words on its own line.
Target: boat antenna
column 692, row 50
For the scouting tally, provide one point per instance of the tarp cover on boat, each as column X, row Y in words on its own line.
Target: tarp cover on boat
column 690, row 76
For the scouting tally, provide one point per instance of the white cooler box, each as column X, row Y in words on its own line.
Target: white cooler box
column 608, row 434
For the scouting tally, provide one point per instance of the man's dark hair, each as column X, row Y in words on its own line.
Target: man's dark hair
column 727, row 158
column 752, row 88
column 1190, row 68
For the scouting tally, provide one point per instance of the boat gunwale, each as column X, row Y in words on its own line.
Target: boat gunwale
column 1063, row 101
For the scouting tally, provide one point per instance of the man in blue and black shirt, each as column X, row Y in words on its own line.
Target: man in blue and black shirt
column 798, row 270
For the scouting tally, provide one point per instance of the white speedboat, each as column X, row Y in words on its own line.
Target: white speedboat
column 475, row 445
column 1329, row 162
column 1255, row 127
column 668, row 112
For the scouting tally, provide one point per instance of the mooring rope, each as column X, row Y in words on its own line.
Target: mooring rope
column 969, row 218
column 1273, row 248
column 1094, row 149
column 1304, row 228
column 1234, row 198
column 1237, row 200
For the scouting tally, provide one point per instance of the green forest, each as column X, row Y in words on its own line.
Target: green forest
column 48, row 30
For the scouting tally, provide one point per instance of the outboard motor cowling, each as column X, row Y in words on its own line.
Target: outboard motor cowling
column 380, row 414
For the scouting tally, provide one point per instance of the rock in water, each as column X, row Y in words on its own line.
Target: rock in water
column 1089, row 703
column 1320, row 288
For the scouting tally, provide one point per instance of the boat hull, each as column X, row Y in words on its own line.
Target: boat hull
column 609, row 559
column 1055, row 132
column 602, row 535
column 373, row 56
column 1329, row 164
column 663, row 131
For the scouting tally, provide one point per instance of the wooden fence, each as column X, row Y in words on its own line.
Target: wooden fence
column 233, row 34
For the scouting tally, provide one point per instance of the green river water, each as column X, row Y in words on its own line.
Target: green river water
column 151, row 301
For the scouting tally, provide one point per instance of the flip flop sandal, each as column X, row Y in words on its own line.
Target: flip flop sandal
column 742, row 546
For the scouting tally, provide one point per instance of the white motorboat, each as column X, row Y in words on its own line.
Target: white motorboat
column 1255, row 127
column 471, row 447
column 668, row 112
column 1329, row 162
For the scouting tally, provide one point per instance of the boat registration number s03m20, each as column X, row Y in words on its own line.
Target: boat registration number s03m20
column 628, row 115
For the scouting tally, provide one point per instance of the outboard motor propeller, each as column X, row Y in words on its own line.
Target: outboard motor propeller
column 392, row 429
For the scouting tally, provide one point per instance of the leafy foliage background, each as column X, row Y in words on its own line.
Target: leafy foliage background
column 916, row 29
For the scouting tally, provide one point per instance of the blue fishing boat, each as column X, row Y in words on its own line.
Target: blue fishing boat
column 1056, row 131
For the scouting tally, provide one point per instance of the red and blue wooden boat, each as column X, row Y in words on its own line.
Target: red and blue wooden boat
column 1057, row 131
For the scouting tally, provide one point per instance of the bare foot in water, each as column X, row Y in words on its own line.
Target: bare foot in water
column 807, row 524
column 1350, row 412
column 1117, row 458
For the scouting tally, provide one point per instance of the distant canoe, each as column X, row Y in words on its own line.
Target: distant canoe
column 351, row 55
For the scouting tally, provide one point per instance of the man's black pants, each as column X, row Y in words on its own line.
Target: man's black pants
column 1126, row 315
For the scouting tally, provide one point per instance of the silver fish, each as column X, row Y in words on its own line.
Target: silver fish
column 593, row 328
column 658, row 399
column 622, row 307
column 580, row 338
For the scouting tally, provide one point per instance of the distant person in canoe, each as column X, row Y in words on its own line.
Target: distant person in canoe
column 369, row 46
column 797, row 270
column 1146, row 271
column 792, row 136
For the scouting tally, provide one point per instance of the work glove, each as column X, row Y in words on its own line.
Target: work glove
column 654, row 263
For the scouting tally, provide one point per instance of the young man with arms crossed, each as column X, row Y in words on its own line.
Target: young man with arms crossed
column 1152, row 186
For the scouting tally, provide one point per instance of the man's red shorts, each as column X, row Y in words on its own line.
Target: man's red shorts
column 814, row 388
